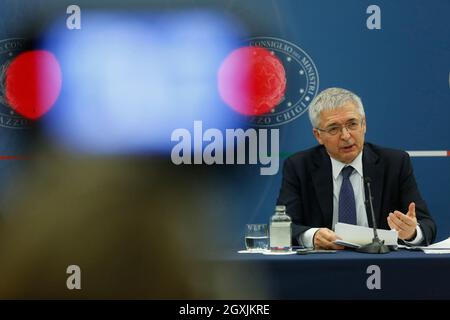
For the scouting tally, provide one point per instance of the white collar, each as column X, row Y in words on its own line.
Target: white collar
column 338, row 166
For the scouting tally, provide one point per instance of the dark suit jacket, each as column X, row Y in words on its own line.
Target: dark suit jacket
column 307, row 189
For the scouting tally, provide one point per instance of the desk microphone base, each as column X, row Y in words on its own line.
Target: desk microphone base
column 376, row 246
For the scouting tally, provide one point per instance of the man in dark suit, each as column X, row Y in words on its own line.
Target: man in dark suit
column 325, row 184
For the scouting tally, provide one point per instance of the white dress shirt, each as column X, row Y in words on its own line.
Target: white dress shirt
column 357, row 181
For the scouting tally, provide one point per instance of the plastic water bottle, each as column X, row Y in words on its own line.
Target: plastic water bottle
column 280, row 230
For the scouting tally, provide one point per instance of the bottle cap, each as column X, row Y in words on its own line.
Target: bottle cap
column 280, row 208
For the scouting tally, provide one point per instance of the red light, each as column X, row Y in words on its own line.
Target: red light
column 252, row 80
column 33, row 83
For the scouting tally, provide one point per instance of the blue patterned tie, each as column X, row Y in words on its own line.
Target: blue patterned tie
column 347, row 207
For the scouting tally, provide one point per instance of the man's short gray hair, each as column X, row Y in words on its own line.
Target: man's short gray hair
column 330, row 99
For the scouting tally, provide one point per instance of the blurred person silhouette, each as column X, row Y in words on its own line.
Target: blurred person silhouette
column 138, row 227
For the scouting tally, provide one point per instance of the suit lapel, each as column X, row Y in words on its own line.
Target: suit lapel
column 323, row 184
column 374, row 169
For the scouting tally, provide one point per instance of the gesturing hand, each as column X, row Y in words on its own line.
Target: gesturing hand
column 405, row 224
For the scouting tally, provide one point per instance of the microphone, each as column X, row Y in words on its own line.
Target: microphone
column 377, row 246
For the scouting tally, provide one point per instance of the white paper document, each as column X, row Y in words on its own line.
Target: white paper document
column 435, row 248
column 356, row 236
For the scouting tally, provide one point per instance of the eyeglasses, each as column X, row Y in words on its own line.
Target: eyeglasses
column 352, row 125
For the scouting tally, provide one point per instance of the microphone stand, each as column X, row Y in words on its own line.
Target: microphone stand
column 377, row 246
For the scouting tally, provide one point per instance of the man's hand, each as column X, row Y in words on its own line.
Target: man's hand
column 323, row 239
column 405, row 224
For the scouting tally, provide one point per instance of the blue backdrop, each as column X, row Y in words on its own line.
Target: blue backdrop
column 400, row 71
